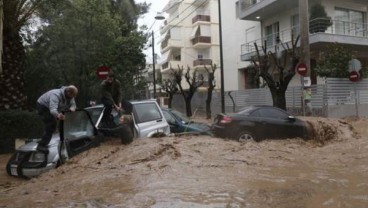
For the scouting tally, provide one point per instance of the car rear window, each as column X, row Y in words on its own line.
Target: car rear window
column 246, row 111
column 145, row 112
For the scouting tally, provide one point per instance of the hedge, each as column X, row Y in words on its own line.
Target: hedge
column 18, row 124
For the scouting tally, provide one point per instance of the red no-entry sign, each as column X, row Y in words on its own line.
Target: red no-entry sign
column 302, row 69
column 102, row 72
column 354, row 76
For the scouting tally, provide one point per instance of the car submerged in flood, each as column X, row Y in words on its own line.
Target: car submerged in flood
column 81, row 131
column 257, row 123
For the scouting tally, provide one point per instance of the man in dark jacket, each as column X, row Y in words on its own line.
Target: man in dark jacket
column 111, row 97
column 50, row 106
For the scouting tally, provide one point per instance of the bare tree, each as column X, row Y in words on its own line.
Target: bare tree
column 277, row 69
column 194, row 81
column 170, row 87
column 211, row 86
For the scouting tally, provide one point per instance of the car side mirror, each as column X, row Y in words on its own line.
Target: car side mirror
column 291, row 118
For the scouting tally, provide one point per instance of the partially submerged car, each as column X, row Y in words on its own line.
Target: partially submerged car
column 179, row 123
column 76, row 134
column 147, row 119
column 81, row 131
column 257, row 123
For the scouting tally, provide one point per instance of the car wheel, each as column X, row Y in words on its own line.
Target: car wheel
column 245, row 136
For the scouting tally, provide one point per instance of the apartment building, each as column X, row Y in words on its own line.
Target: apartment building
column 279, row 22
column 190, row 37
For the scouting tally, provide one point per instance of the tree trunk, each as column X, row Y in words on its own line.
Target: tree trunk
column 188, row 106
column 278, row 98
column 208, row 103
column 12, row 78
column 170, row 100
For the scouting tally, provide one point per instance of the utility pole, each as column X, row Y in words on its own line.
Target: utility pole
column 154, row 65
column 305, row 53
column 221, row 61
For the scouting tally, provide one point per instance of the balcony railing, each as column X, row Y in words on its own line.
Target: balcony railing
column 165, row 65
column 201, row 39
column 200, row 62
column 246, row 4
column 203, row 18
column 318, row 25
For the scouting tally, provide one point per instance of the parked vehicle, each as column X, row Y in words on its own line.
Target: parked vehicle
column 258, row 122
column 80, row 131
column 179, row 123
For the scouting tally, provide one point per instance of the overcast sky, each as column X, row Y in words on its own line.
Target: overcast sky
column 148, row 19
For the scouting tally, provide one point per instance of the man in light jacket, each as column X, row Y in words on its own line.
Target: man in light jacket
column 50, row 107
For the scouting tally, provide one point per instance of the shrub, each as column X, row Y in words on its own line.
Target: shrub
column 318, row 19
column 20, row 124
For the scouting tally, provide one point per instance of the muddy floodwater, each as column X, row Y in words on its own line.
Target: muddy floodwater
column 329, row 171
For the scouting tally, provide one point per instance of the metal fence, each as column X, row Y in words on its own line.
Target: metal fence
column 335, row 98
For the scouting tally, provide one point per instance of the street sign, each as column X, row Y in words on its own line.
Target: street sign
column 354, row 65
column 302, row 69
column 102, row 72
column 354, row 76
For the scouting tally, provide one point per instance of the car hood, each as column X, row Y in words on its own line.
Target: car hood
column 31, row 146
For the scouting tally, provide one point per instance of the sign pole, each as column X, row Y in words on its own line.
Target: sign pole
column 356, row 100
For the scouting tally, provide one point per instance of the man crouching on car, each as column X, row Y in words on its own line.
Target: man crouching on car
column 50, row 106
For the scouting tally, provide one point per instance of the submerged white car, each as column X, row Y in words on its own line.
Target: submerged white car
column 80, row 131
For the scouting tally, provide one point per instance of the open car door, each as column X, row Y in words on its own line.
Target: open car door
column 78, row 133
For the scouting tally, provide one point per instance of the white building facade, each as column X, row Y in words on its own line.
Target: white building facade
column 279, row 21
column 189, row 38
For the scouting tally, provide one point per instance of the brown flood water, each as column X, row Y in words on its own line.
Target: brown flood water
column 199, row 171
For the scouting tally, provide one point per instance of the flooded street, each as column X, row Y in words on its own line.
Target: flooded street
column 200, row 171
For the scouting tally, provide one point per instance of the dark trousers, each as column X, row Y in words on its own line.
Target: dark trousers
column 49, row 122
column 107, row 111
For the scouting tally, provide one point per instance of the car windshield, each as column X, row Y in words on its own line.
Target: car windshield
column 145, row 112
column 77, row 124
column 181, row 117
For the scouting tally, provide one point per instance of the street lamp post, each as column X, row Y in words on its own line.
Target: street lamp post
column 158, row 16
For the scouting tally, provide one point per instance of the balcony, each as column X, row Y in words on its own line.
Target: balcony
column 169, row 43
column 201, row 42
column 169, row 23
column 354, row 35
column 257, row 10
column 201, row 18
column 172, row 63
column 199, row 2
column 200, row 63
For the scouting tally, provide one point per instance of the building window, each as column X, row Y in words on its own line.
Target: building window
column 295, row 29
column 349, row 22
column 272, row 34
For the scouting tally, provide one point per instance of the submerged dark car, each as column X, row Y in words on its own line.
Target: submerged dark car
column 179, row 123
column 257, row 123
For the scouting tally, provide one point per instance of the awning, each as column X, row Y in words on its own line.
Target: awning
column 194, row 31
column 165, row 57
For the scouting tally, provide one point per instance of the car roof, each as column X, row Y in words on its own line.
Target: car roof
column 131, row 101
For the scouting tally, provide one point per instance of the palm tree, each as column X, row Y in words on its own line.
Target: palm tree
column 16, row 15
column 1, row 35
